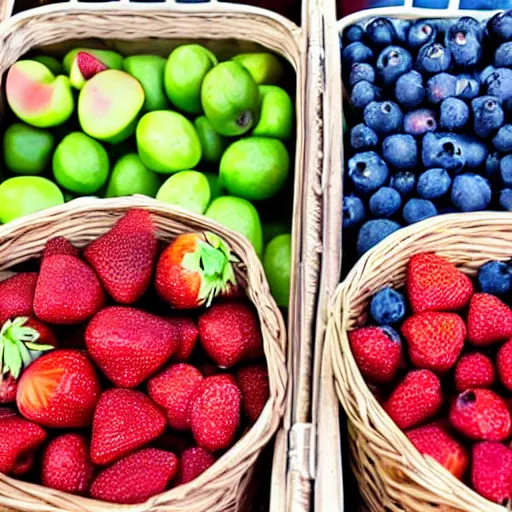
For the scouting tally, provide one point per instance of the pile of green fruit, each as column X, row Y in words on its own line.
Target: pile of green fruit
column 103, row 125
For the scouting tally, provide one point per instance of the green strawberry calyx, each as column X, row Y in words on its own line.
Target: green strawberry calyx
column 18, row 346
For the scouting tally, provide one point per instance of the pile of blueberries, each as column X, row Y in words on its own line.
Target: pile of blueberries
column 430, row 106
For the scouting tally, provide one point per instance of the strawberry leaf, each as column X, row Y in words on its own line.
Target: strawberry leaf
column 13, row 361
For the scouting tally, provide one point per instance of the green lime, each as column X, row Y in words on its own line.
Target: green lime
column 277, row 262
column 254, row 168
column 130, row 176
column 27, row 194
column 27, row 150
column 51, row 63
column 185, row 70
column 276, row 116
column 239, row 215
column 265, row 68
column 230, row 99
column 215, row 186
column 273, row 229
column 80, row 164
column 188, row 189
column 212, row 144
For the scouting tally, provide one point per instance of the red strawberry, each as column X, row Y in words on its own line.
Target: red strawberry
column 255, row 388
column 124, row 421
column 229, row 332
column 215, row 413
column 435, row 339
column 434, row 441
column 136, row 478
column 59, row 390
column 188, row 334
column 481, row 414
column 377, row 351
column 489, row 320
column 129, row 344
column 416, row 399
column 59, row 245
column 8, row 387
column 125, row 256
column 89, row 65
column 194, row 269
column 491, row 473
column 194, row 462
column 17, row 296
column 66, row 464
column 435, row 284
column 504, row 363
column 173, row 389
column 19, row 439
column 474, row 371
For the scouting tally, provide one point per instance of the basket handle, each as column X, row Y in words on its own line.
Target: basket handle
column 6, row 9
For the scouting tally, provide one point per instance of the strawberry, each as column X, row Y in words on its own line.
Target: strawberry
column 173, row 389
column 481, row 414
column 194, row 269
column 474, row 371
column 125, row 256
column 124, row 421
column 433, row 440
column 255, row 388
column 194, row 462
column 67, row 465
column 129, row 344
column 59, row 245
column 17, row 296
column 89, row 65
column 188, row 335
column 136, row 478
column 491, row 472
column 504, row 363
column 59, row 390
column 377, row 351
column 435, row 339
column 19, row 439
column 229, row 332
column 215, row 413
column 435, row 284
column 489, row 320
column 8, row 387
column 416, row 399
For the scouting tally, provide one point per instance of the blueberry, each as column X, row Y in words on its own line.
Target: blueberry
column 467, row 87
column 383, row 117
column 356, row 52
column 495, row 277
column 506, row 170
column 434, row 183
column 401, row 29
column 418, row 209
column 462, row 40
column 454, row 114
column 502, row 141
column 374, row 231
column 404, row 182
column 440, row 87
column 421, row 32
column 500, row 26
column 361, row 71
column 498, row 84
column 506, row 199
column 363, row 93
column 442, row 151
column 486, row 73
column 492, row 167
column 400, row 151
column 474, row 150
column 503, row 56
column 380, row 32
column 419, row 122
column 393, row 62
column 409, row 90
column 470, row 192
column 368, row 172
column 387, row 306
column 385, row 202
column 352, row 34
column 353, row 211
column 433, row 58
column 488, row 115
column 363, row 138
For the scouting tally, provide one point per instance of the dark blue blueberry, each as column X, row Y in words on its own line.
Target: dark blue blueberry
column 363, row 138
column 409, row 90
column 353, row 211
column 361, row 71
column 474, row 150
column 433, row 58
column 364, row 93
column 442, row 151
column 392, row 63
column 454, row 114
column 462, row 40
column 498, row 84
column 380, row 32
column 419, row 122
column 500, row 25
column 352, row 34
column 486, row 73
column 387, row 306
column 495, row 277
column 356, row 52
column 368, row 172
column 506, row 170
column 470, row 192
column 431, row 4
column 385, row 202
column 467, row 87
column 503, row 56
column 383, row 117
column 400, row 151
column 440, row 87
column 492, row 168
column 502, row 141
column 488, row 115
column 374, row 231
column 418, row 209
column 421, row 32
column 506, row 199
column 404, row 182
column 434, row 183
column 401, row 29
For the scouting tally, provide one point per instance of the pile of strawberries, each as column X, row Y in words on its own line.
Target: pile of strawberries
column 114, row 398
column 444, row 373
